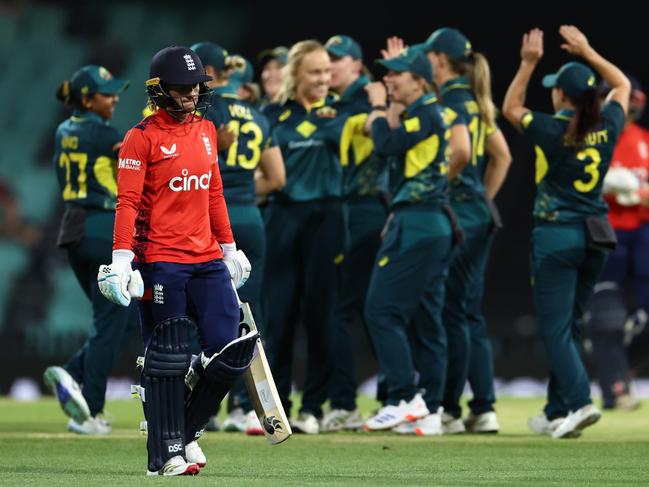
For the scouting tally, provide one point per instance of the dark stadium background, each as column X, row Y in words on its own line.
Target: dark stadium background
column 617, row 31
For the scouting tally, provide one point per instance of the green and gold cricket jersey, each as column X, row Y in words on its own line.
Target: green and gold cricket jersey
column 362, row 168
column 456, row 94
column 416, row 151
column 309, row 141
column 238, row 162
column 569, row 179
column 85, row 161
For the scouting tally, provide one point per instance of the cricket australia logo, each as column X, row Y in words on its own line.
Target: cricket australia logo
column 169, row 151
column 271, row 424
column 208, row 146
column 190, row 62
column 158, row 296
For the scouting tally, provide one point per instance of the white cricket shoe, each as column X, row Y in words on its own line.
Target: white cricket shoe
column 306, row 423
column 390, row 416
column 68, row 392
column 576, row 421
column 405, row 428
column 91, row 426
column 339, row 419
column 430, row 425
column 253, row 426
column 540, row 424
column 176, row 466
column 194, row 454
column 235, row 422
column 213, row 424
column 452, row 425
column 482, row 423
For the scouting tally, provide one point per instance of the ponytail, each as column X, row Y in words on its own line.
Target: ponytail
column 289, row 71
column 587, row 116
column 480, row 79
column 476, row 68
column 64, row 93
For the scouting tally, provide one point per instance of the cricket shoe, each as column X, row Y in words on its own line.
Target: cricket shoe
column 68, row 392
column 253, row 426
column 305, row 423
column 176, row 466
column 340, row 419
column 541, row 425
column 235, row 422
column 194, row 454
column 452, row 425
column 213, row 424
column 91, row 426
column 486, row 422
column 390, row 416
column 429, row 425
column 576, row 421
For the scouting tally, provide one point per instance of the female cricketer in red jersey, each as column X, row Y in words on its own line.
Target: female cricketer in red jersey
column 172, row 218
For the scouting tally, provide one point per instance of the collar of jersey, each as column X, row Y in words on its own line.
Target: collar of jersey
column 319, row 104
column 165, row 119
column 81, row 116
column 225, row 91
column 564, row 114
column 461, row 82
column 354, row 88
column 426, row 99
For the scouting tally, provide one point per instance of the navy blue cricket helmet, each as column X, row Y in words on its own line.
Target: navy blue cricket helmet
column 175, row 66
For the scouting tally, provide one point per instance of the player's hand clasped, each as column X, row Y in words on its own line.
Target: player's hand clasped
column 237, row 263
column 118, row 282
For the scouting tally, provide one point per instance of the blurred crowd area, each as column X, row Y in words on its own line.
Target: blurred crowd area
column 44, row 315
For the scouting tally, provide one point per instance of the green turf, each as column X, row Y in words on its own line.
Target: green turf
column 35, row 449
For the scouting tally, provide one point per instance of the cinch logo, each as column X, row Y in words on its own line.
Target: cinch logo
column 175, row 448
column 190, row 62
column 171, row 152
column 132, row 164
column 186, row 183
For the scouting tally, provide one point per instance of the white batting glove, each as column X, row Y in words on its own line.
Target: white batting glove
column 118, row 282
column 237, row 263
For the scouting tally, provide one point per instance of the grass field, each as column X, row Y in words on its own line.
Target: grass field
column 35, row 449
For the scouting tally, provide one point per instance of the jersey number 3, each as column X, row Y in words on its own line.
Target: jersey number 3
column 253, row 144
column 591, row 169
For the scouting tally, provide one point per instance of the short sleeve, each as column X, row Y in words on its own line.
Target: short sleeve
column 539, row 128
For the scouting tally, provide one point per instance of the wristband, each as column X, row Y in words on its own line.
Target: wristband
column 379, row 108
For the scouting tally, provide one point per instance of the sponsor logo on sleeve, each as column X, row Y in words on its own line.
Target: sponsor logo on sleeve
column 132, row 164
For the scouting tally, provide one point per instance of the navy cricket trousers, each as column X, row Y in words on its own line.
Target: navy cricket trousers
column 201, row 291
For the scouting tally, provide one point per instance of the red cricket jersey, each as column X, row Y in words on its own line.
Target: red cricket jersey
column 170, row 205
column 631, row 152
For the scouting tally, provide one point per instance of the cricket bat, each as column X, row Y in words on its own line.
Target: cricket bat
column 261, row 386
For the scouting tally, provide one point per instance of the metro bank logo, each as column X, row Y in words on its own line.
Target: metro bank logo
column 132, row 164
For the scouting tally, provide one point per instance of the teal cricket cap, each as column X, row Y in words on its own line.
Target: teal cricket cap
column 449, row 41
column 341, row 46
column 242, row 72
column 211, row 54
column 410, row 60
column 574, row 78
column 96, row 79
column 279, row 53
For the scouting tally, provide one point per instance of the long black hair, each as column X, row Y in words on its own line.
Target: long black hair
column 587, row 116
